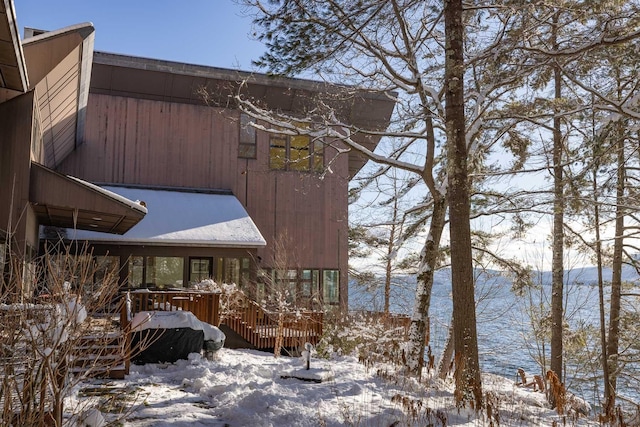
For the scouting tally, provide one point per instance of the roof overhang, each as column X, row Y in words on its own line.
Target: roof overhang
column 121, row 75
column 64, row 201
column 193, row 218
column 59, row 65
column 13, row 75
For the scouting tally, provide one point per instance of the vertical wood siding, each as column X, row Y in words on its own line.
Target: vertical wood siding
column 145, row 142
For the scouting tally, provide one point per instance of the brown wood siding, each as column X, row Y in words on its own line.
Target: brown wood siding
column 158, row 143
column 16, row 124
column 58, row 101
column 136, row 141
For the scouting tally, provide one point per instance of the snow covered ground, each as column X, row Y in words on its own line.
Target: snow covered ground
column 245, row 388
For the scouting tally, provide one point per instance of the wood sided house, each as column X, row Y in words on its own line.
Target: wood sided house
column 169, row 186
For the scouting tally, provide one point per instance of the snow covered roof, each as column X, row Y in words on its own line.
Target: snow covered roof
column 185, row 218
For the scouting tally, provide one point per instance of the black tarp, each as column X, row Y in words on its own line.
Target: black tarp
column 165, row 345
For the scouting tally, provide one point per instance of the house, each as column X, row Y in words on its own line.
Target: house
column 43, row 97
column 153, row 164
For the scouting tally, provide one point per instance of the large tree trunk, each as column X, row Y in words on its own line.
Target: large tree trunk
column 616, row 270
column 467, row 375
column 428, row 258
column 557, row 260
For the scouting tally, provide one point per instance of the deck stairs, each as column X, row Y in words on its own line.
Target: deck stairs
column 101, row 355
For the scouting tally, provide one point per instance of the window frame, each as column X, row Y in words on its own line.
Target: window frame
column 247, row 138
column 327, row 296
column 311, row 162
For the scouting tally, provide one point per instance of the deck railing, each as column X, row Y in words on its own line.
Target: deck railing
column 252, row 322
column 259, row 326
column 204, row 305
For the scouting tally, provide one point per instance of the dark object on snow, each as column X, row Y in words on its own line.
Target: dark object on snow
column 165, row 345
column 212, row 345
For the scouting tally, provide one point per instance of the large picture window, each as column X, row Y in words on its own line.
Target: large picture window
column 165, row 272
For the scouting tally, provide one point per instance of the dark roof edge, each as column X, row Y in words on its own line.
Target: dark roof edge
column 221, row 191
column 209, row 72
column 12, row 21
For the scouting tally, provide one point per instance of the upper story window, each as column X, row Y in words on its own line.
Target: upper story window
column 295, row 153
column 247, row 146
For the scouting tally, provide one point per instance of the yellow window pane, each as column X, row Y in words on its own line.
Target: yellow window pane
column 318, row 156
column 278, row 153
column 299, row 153
column 300, row 142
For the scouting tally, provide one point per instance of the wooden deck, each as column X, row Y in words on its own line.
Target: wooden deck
column 260, row 327
column 257, row 326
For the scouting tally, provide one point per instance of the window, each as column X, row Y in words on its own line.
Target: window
column 231, row 270
column 107, row 268
column 296, row 153
column 309, row 282
column 199, row 269
column 160, row 272
column 136, row 271
column 247, row 145
column 245, row 272
column 331, row 286
column 277, row 152
column 164, row 272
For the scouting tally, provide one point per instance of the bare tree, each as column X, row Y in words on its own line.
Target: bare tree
column 401, row 46
column 58, row 335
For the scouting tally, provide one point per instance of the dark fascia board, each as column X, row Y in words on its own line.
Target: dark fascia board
column 12, row 24
column 221, row 191
column 215, row 73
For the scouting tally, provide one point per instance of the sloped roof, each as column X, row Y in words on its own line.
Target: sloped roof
column 183, row 218
column 59, row 66
column 13, row 74
column 65, row 201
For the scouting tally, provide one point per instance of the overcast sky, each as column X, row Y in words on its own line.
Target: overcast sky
column 205, row 32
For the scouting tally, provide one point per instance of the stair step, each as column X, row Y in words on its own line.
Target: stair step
column 116, row 372
column 110, row 348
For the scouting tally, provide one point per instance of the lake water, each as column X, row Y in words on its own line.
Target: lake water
column 505, row 334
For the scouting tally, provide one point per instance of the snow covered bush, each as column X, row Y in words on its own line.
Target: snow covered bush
column 231, row 297
column 371, row 337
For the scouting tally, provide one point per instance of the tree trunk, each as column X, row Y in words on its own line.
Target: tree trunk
column 557, row 261
column 616, row 269
column 428, row 258
column 467, row 374
column 447, row 356
column 609, row 398
column 390, row 250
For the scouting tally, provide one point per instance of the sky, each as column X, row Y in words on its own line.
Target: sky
column 204, row 32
